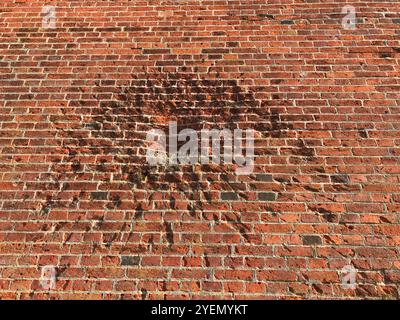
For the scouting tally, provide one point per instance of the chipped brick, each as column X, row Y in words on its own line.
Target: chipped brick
column 76, row 190
column 340, row 178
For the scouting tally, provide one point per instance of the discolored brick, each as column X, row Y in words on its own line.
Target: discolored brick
column 311, row 240
column 267, row 196
column 264, row 177
column 340, row 178
column 227, row 196
column 76, row 190
column 287, row 22
column 130, row 260
column 99, row 195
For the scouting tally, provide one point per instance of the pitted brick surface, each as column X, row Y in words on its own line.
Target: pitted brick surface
column 76, row 191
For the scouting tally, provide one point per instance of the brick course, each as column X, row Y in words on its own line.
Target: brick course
column 75, row 189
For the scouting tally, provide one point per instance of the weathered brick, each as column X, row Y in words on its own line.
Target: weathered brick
column 267, row 196
column 264, row 177
column 287, row 22
column 130, row 260
column 99, row 195
column 229, row 196
column 311, row 240
column 76, row 191
column 340, row 178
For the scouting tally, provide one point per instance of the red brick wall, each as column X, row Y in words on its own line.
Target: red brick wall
column 76, row 192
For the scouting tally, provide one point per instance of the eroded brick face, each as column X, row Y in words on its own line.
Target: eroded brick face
column 76, row 192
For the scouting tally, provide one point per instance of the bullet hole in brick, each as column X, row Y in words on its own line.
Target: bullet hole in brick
column 321, row 210
column 317, row 288
column 303, row 150
column 143, row 294
column 93, row 126
column 169, row 233
column 46, row 206
column 267, row 196
column 136, row 177
column 396, row 20
column 139, row 211
column 115, row 202
column 278, row 127
column 72, row 152
column 213, row 57
column 109, row 238
column 282, row 179
column 363, row 133
column 69, row 236
column 172, row 202
column 265, row 15
column 232, row 44
column 242, row 228
column 96, row 224
column 311, row 240
column 311, row 188
column 329, row 239
column 385, row 55
column 76, row 166
column 218, row 33
column 207, row 260
column 46, row 209
column 384, row 220
column 130, row 260
column 101, row 167
column 276, row 81
column 75, row 201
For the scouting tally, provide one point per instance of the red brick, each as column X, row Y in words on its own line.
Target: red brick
column 76, row 192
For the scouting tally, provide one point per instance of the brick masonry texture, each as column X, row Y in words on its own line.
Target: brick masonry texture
column 76, row 191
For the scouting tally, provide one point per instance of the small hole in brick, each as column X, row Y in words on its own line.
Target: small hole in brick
column 264, row 15
column 385, row 55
